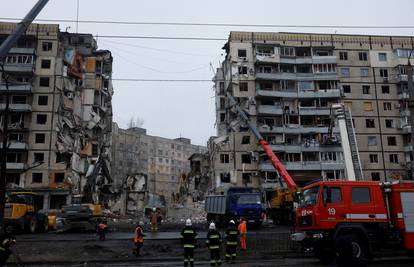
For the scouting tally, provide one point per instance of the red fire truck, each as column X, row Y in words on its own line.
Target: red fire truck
column 351, row 219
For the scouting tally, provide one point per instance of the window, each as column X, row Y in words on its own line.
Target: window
column 365, row 89
column 346, row 89
column 221, row 88
column 222, row 103
column 387, row 106
column 345, row 72
column 224, row 158
column 47, row 46
column 19, row 99
column 246, row 158
column 37, row 178
column 41, row 118
column 343, row 55
column 225, row 177
column 287, row 51
column 242, row 70
column 245, row 140
column 222, row 117
column 385, row 89
column 394, row 158
column 39, row 157
column 246, row 178
column 384, row 73
column 392, row 140
column 242, row 53
column 44, row 81
column 375, row 176
column 373, row 158
column 45, row 64
column 59, row 177
column 389, row 123
column 364, row 72
column 382, row 57
column 360, row 195
column 243, row 87
column 363, row 56
column 42, row 100
column 40, row 138
column 368, row 106
column 372, row 140
column 369, row 123
column 332, row 195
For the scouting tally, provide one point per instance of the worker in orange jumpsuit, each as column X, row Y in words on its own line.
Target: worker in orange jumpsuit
column 138, row 238
column 154, row 220
column 243, row 232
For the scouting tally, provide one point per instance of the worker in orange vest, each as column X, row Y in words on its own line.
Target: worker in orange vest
column 243, row 232
column 138, row 238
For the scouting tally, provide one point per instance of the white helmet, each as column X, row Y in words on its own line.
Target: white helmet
column 212, row 226
column 154, row 209
column 188, row 222
column 232, row 222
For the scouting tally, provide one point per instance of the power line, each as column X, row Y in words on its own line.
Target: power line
column 160, row 80
column 161, row 37
column 220, row 24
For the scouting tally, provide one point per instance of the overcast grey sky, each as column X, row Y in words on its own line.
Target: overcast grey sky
column 187, row 109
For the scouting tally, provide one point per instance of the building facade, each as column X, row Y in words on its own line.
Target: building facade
column 287, row 82
column 60, row 113
column 164, row 161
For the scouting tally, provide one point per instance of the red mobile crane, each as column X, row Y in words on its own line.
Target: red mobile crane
column 351, row 219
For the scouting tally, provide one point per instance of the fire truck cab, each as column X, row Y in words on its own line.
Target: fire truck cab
column 363, row 215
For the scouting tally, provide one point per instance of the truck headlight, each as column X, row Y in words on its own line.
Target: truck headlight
column 317, row 236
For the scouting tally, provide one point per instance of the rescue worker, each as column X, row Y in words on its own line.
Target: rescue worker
column 102, row 226
column 138, row 238
column 213, row 243
column 188, row 239
column 232, row 233
column 243, row 232
column 154, row 220
column 7, row 241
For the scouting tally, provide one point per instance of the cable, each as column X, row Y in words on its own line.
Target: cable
column 221, row 24
column 159, row 80
column 161, row 37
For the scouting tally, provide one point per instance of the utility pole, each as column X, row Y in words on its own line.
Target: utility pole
column 411, row 108
column 4, row 50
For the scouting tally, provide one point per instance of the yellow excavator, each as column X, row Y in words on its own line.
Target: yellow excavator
column 280, row 205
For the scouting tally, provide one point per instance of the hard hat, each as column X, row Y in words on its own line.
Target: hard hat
column 232, row 222
column 212, row 226
column 141, row 223
column 154, row 209
column 188, row 222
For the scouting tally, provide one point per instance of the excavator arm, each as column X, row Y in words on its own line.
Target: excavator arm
column 265, row 145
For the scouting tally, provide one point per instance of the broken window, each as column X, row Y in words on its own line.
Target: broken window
column 41, row 118
column 44, row 81
column 363, row 56
column 369, row 123
column 265, row 51
column 389, row 123
column 391, row 140
column 47, row 46
column 59, row 177
column 365, row 89
column 385, row 89
column 13, row 157
column 287, row 68
column 305, row 86
column 37, row 178
column 225, row 177
column 246, row 178
column 373, row 158
column 304, row 68
column 40, row 138
column 19, row 99
column 42, row 100
column 222, row 117
column 242, row 70
column 224, row 158
column 242, row 53
column 346, row 89
column 343, row 55
column 38, row 157
column 246, row 158
column 375, row 176
column 45, row 64
column 393, row 158
column 95, row 150
column 387, row 106
column 372, row 140
column 16, row 137
column 287, row 51
column 246, row 140
column 243, row 86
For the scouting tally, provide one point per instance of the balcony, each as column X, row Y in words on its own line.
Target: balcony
column 408, row 148
column 314, row 111
column 15, row 145
column 269, row 110
column 285, row 94
column 405, row 113
column 324, row 59
column 406, row 129
column 329, row 93
column 297, row 60
column 15, row 166
column 403, row 96
column 294, row 129
column 297, row 148
column 267, row 58
column 403, row 77
column 276, row 76
column 304, row 166
column 22, row 50
column 17, row 107
column 321, row 76
column 17, row 88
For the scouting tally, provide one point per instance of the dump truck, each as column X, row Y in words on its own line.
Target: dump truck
column 233, row 204
column 21, row 212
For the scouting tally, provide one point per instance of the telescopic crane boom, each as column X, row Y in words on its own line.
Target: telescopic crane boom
column 266, row 147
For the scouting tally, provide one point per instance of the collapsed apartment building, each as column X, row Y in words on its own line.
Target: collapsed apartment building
column 159, row 165
column 287, row 83
column 60, row 114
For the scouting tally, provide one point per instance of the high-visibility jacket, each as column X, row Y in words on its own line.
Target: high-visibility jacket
column 213, row 239
column 242, row 228
column 231, row 235
column 188, row 237
column 138, row 235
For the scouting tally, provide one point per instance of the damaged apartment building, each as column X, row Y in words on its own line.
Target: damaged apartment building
column 160, row 165
column 60, row 115
column 287, row 83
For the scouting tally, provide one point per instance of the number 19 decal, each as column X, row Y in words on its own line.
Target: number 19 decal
column 331, row 211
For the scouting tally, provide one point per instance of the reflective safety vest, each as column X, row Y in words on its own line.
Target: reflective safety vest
column 188, row 237
column 213, row 239
column 138, row 235
column 231, row 235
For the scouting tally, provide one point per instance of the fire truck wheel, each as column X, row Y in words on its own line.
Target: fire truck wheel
column 350, row 247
